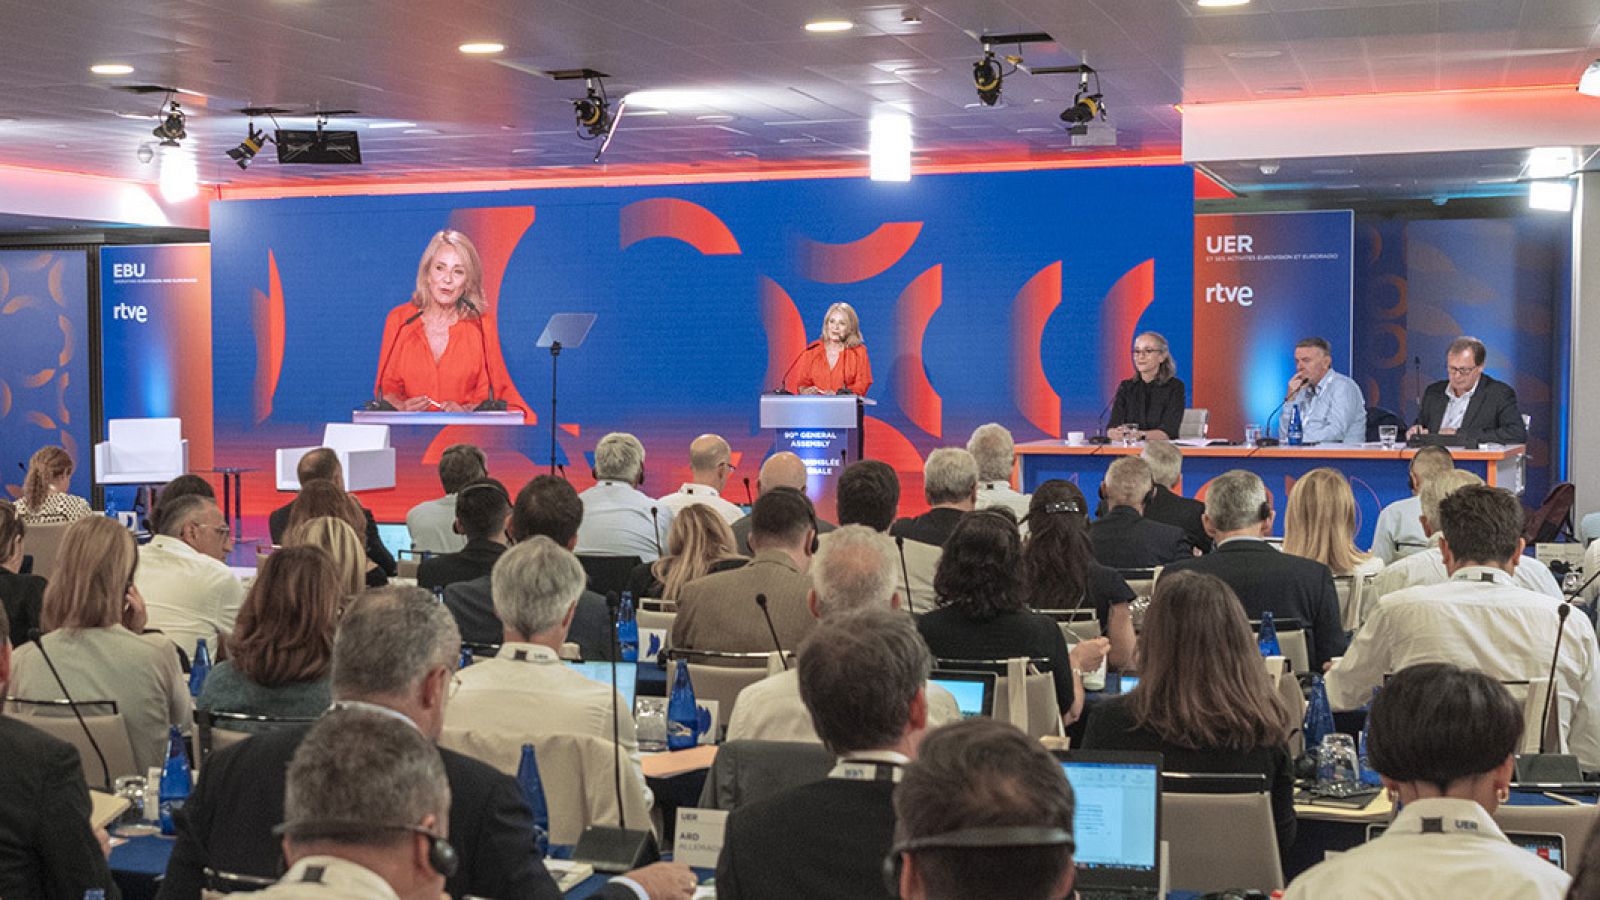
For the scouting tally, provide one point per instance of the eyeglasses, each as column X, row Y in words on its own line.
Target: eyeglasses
column 1145, row 351
column 1462, row 370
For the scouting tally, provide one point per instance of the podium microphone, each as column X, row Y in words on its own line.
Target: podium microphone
column 377, row 403
column 1545, row 767
column 783, row 383
column 1267, row 424
column 655, row 529
column 1101, row 438
column 749, row 497
column 905, row 574
column 34, row 635
column 761, row 601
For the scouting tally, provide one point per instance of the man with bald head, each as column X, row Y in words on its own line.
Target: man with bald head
column 710, row 464
column 781, row 470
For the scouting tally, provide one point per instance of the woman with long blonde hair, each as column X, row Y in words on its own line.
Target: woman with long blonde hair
column 45, row 499
column 321, row 497
column 1320, row 524
column 335, row 537
column 698, row 543
column 837, row 361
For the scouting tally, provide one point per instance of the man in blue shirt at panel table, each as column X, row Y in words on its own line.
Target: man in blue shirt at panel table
column 1332, row 410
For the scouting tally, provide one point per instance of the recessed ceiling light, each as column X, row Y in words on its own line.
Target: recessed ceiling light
column 1255, row 54
column 715, row 117
column 1220, row 4
column 391, row 124
column 111, row 69
column 670, row 99
column 1283, row 89
column 918, row 70
column 481, row 48
column 829, row 25
column 1037, row 130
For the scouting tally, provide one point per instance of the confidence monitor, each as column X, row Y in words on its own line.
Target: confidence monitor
column 1117, row 822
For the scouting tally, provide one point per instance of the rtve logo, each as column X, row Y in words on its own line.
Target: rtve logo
column 128, row 312
column 1230, row 244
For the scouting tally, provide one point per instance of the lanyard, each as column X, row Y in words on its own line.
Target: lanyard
column 861, row 770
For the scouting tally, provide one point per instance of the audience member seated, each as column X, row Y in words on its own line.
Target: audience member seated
column 982, row 613
column 47, row 848
column 1059, row 570
column 1443, row 740
column 828, row 838
column 699, row 543
column 336, row 538
column 482, row 509
column 1480, row 619
column 1427, row 567
column 995, row 453
column 855, row 569
column 780, row 470
column 21, row 596
column 1399, row 533
column 1123, row 538
column 395, row 653
column 869, row 494
column 189, row 592
column 280, row 657
column 710, row 464
column 93, row 615
column 432, row 523
column 984, row 813
column 1204, row 702
column 719, row 612
column 1239, row 516
column 45, row 499
column 1168, row 506
column 537, row 584
column 546, row 506
column 326, row 498
column 618, row 518
column 950, row 485
column 1320, row 524
column 187, row 485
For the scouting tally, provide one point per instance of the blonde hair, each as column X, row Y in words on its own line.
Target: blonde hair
column 336, row 538
column 699, row 538
column 95, row 568
column 47, row 465
column 470, row 303
column 1320, row 521
column 853, row 337
column 326, row 498
column 285, row 629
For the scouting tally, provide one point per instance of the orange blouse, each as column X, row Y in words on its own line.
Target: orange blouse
column 461, row 375
column 853, row 371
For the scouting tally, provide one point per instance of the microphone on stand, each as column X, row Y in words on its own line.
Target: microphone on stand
column 783, row 384
column 34, row 635
column 1102, row 438
column 655, row 529
column 377, row 403
column 761, row 601
column 492, row 404
column 1416, row 366
column 905, row 574
column 1271, row 441
column 563, row 470
column 1544, row 767
column 749, row 497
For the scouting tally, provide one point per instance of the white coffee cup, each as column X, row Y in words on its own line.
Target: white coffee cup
column 1074, row 437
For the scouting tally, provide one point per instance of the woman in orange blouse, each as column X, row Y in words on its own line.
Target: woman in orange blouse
column 436, row 354
column 839, row 360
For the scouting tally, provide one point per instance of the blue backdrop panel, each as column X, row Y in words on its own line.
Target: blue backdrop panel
column 44, row 367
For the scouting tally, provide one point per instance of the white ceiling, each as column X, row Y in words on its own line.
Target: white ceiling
column 779, row 94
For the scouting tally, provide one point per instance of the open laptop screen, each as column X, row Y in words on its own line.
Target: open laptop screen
column 395, row 537
column 974, row 691
column 1116, row 825
column 600, row 670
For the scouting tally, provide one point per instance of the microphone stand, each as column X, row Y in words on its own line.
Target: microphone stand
column 377, row 403
column 761, row 601
column 38, row 641
column 555, row 353
column 783, row 383
column 905, row 573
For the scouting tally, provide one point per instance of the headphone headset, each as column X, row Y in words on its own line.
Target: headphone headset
column 487, row 486
column 973, row 839
column 1149, row 495
column 441, row 856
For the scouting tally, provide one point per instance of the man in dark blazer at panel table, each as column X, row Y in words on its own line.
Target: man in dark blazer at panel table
column 863, row 679
column 1167, row 505
column 1470, row 404
column 1239, row 516
column 395, row 653
column 1126, row 537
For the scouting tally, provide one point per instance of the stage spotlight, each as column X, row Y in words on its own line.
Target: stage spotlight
column 987, row 77
column 243, row 154
column 594, row 110
column 171, row 129
column 1086, row 107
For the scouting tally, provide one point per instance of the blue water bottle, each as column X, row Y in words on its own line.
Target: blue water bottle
column 199, row 668
column 1369, row 776
column 683, row 718
column 1319, row 715
column 628, row 629
column 1267, row 637
column 533, row 793
column 1297, row 434
column 111, row 507
column 175, row 781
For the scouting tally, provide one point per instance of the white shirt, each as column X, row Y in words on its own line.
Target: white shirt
column 617, row 522
column 1469, row 858
column 188, row 594
column 771, row 710
column 1479, row 620
column 703, row 494
column 330, row 877
column 1398, row 533
column 1000, row 493
column 1455, row 408
column 1427, row 567
column 1332, row 411
column 432, row 524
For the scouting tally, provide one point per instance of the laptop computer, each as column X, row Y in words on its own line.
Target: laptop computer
column 974, row 691
column 1117, row 825
column 600, row 670
column 395, row 537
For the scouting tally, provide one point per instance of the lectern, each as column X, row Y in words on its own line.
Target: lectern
column 824, row 430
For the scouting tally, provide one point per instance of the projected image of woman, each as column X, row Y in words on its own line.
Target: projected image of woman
column 436, row 354
column 838, row 361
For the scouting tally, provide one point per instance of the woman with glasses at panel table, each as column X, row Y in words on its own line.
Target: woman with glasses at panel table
column 1148, row 406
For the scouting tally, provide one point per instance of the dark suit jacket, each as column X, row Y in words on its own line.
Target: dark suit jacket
column 23, row 596
column 932, row 527
column 1267, row 579
column 824, row 839
column 47, row 849
column 1169, row 508
column 1492, row 413
column 1123, row 539
column 475, row 560
column 278, row 523
column 472, row 603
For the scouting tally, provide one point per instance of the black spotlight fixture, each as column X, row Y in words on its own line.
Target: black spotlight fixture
column 1086, row 106
column 245, row 153
column 171, row 130
column 593, row 110
column 987, row 77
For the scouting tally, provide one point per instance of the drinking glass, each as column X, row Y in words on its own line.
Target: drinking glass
column 1337, row 762
column 1387, row 435
column 1252, row 435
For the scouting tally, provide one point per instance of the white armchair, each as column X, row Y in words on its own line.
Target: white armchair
column 141, row 451
column 363, row 452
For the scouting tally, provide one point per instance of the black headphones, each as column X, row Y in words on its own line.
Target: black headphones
column 486, row 486
column 441, row 856
column 1149, row 495
column 973, row 839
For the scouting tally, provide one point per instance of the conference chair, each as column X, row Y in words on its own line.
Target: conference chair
column 1032, row 707
column 43, row 543
column 1194, row 424
column 1553, row 518
column 720, row 676
column 1077, row 625
column 1352, row 590
column 1291, row 640
column 1220, row 832
column 55, row 718
column 218, row 730
column 608, row 573
column 657, row 618
column 747, row 771
column 1573, row 823
column 407, row 566
column 1534, row 694
column 1293, row 698
column 363, row 450
column 141, row 451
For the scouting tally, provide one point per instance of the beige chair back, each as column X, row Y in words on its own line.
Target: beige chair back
column 43, row 543
column 651, row 618
column 577, row 771
column 406, row 566
column 1219, row 841
column 1293, row 699
column 54, row 717
column 722, row 679
column 1194, row 422
column 1077, row 625
column 1292, row 641
column 1534, row 695
column 1034, row 708
column 1574, row 823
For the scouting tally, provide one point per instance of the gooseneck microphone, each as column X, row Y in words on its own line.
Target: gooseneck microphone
column 1550, row 693
column 1101, row 438
column 1416, row 366
column 1265, row 441
column 749, row 497
column 761, row 601
column 905, row 574
column 614, row 610
column 783, row 383
column 655, row 529
column 377, row 403
column 35, row 635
